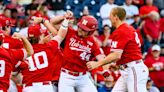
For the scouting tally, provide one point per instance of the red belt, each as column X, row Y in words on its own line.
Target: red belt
column 38, row 83
column 73, row 73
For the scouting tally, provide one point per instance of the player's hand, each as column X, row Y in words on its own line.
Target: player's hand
column 92, row 65
column 68, row 15
column 113, row 67
column 37, row 20
column 17, row 36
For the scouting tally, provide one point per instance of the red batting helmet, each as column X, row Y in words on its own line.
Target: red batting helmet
column 88, row 23
column 34, row 31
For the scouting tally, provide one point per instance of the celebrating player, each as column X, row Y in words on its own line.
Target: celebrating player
column 125, row 47
column 39, row 76
column 9, row 58
column 79, row 48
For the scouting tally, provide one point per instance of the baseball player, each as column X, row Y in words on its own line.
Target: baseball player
column 79, row 48
column 39, row 76
column 56, row 67
column 9, row 43
column 58, row 59
column 125, row 47
column 9, row 58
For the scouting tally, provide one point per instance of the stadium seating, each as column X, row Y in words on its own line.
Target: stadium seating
column 93, row 5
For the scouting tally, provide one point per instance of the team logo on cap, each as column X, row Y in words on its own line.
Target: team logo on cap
column 84, row 22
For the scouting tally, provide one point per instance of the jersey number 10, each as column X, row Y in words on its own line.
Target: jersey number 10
column 38, row 64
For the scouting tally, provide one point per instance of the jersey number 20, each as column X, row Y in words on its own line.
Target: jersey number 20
column 2, row 68
column 38, row 64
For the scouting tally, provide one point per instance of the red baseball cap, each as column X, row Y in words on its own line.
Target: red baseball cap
column 34, row 31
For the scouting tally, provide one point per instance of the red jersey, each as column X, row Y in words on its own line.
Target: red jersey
column 8, row 59
column 106, row 49
column 58, row 59
column 156, row 76
column 125, row 39
column 98, row 72
column 40, row 63
column 11, row 43
column 161, row 28
column 152, row 28
column 78, row 51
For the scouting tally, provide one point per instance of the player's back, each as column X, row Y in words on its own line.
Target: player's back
column 58, row 62
column 6, row 67
column 126, row 38
column 11, row 43
column 40, row 63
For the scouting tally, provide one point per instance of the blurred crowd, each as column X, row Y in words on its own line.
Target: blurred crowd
column 146, row 16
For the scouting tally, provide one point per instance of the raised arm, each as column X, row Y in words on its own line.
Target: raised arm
column 54, row 24
column 57, row 19
column 63, row 28
column 26, row 43
column 50, row 27
column 47, row 24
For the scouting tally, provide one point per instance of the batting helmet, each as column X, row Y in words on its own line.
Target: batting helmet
column 88, row 23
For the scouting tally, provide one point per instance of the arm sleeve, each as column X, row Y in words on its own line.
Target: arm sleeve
column 19, row 54
column 22, row 65
column 97, row 51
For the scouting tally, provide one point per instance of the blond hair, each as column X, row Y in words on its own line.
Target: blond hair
column 119, row 12
column 154, row 15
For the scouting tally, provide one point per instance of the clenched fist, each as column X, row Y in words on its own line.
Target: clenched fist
column 92, row 65
column 68, row 15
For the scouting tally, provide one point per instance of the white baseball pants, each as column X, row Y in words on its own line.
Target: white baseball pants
column 133, row 78
column 70, row 83
column 38, row 87
column 55, row 88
